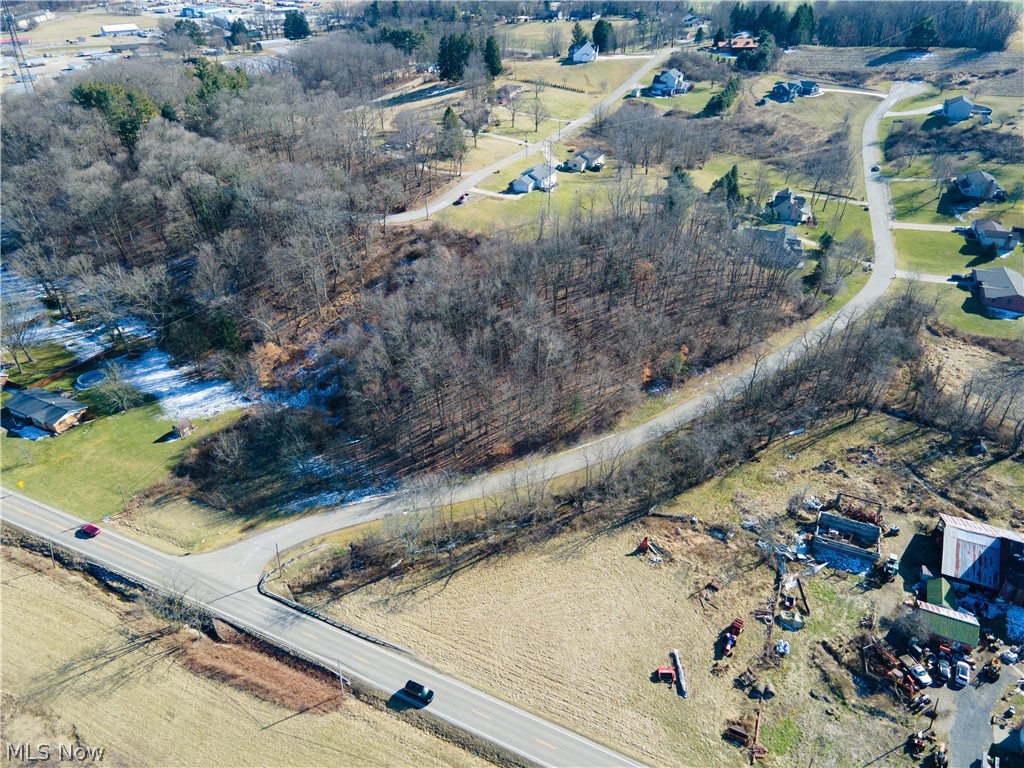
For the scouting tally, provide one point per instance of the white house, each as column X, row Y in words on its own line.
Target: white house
column 119, row 30
column 542, row 177
column 590, row 159
column 669, row 83
column 584, row 53
column 957, row 109
column 789, row 208
column 987, row 232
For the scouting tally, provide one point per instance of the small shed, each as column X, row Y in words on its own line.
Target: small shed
column 951, row 626
column 183, row 428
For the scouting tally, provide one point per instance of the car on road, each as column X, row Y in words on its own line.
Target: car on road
column 462, row 198
column 419, row 692
column 945, row 670
column 89, row 531
column 920, row 675
column 963, row 673
column 956, row 277
column 875, row 168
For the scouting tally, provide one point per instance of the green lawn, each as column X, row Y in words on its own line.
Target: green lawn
column 534, row 34
column 694, row 101
column 938, row 253
column 526, row 212
column 80, row 471
column 958, row 309
column 924, row 202
column 48, row 358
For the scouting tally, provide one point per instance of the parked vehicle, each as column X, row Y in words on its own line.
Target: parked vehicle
column 963, row 673
column 945, row 671
column 875, row 168
column 419, row 692
column 462, row 198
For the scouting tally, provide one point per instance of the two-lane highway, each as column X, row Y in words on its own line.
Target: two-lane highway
column 224, row 581
column 463, row 706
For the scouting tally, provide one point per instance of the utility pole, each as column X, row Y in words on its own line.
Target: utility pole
column 19, row 54
column 53, row 560
column 278, row 550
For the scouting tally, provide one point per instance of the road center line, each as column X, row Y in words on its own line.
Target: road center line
column 360, row 658
column 21, row 511
column 549, row 746
column 125, row 554
column 307, row 634
column 478, row 712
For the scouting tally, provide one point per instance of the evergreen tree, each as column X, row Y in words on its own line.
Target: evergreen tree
column 239, row 33
column 295, row 25
column 604, row 36
column 698, row 38
column 719, row 37
column 126, row 109
column 729, row 188
column 761, row 58
column 373, row 13
column 452, row 55
column 720, row 102
column 492, row 57
column 405, row 40
column 396, row 9
column 191, row 30
column 579, row 35
column 923, row 34
column 802, row 25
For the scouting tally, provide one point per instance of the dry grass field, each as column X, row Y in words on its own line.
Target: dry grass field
column 573, row 628
column 81, row 666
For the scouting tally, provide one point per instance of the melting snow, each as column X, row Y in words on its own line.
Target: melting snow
column 181, row 394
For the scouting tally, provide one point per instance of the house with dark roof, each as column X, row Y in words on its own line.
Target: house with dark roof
column 788, row 207
column 589, row 159
column 980, row 185
column 670, row 82
column 542, row 177
column 957, row 109
column 987, row 233
column 1000, row 289
column 783, row 241
column 45, row 410
column 786, row 92
column 809, row 88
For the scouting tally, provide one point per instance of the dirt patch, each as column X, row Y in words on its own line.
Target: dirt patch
column 249, row 665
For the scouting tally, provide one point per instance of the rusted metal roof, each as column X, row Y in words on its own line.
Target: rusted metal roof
column 950, row 624
column 963, row 524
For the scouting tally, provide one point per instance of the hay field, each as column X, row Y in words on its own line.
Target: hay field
column 572, row 628
column 79, row 668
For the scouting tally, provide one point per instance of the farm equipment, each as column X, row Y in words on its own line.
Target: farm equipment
column 888, row 569
column 940, row 758
column 745, row 679
column 992, row 670
column 737, row 735
column 732, row 634
column 916, row 743
column 666, row 675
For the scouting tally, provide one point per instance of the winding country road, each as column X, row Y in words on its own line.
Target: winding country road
column 224, row 581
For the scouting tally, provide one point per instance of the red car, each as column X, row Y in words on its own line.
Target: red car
column 89, row 531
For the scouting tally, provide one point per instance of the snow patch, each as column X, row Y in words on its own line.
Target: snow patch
column 342, row 497
column 181, row 395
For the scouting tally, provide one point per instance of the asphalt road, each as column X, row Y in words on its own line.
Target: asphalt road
column 972, row 731
column 225, row 580
column 461, row 705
